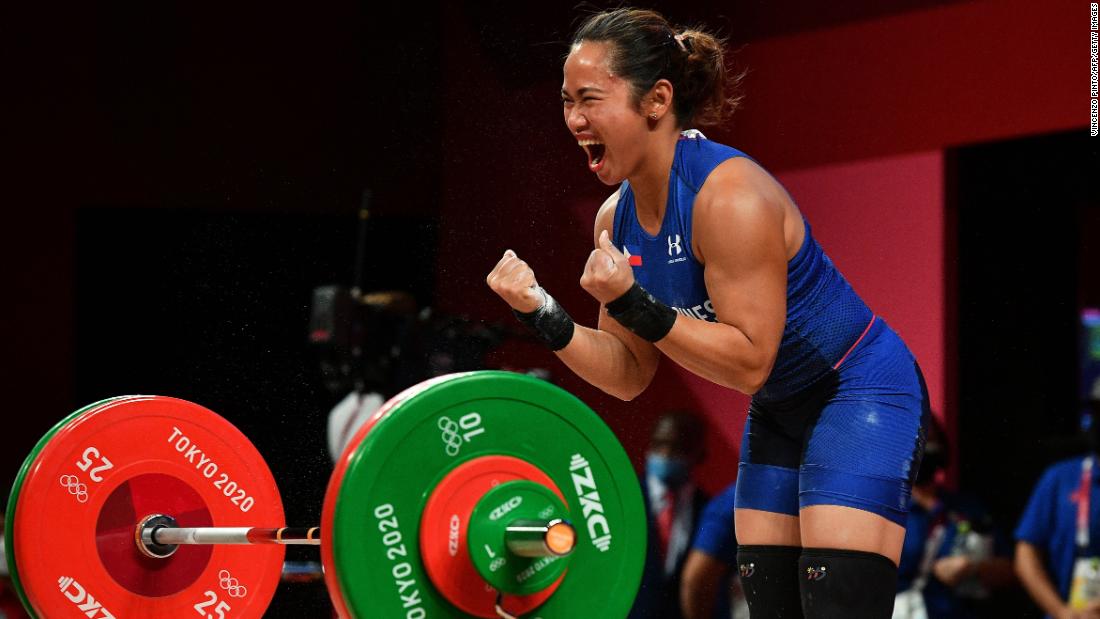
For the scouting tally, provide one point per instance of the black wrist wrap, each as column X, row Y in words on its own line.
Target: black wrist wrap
column 551, row 324
column 643, row 314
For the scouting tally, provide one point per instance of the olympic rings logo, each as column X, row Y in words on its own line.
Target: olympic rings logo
column 470, row 426
column 231, row 585
column 450, row 436
column 75, row 487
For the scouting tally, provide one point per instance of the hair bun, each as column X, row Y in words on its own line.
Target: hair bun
column 645, row 48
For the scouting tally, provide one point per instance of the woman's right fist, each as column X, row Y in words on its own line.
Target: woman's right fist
column 514, row 281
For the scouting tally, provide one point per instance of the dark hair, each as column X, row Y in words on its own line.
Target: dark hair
column 682, row 431
column 645, row 48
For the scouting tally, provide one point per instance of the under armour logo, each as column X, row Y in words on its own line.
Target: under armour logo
column 674, row 245
column 747, row 569
column 815, row 573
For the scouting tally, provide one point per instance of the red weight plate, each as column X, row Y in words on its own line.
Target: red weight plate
column 132, row 500
column 100, row 475
column 332, row 492
column 13, row 495
column 444, row 525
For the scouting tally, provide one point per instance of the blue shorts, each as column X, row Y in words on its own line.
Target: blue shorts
column 854, row 438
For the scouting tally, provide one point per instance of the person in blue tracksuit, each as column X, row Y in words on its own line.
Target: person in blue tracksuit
column 1052, row 543
column 1058, row 536
column 702, row 256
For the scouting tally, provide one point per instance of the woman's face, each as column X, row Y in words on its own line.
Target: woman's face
column 601, row 114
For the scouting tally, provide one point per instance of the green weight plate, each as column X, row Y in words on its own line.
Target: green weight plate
column 373, row 511
column 9, row 531
column 336, row 481
column 508, row 502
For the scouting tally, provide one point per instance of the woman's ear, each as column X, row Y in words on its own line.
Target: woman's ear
column 658, row 101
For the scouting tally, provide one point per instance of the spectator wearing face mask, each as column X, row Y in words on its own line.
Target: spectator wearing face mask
column 673, row 507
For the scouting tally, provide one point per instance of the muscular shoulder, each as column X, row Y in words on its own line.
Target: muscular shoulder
column 740, row 184
column 739, row 202
column 605, row 218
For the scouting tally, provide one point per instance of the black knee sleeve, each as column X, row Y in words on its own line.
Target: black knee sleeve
column 769, row 577
column 845, row 584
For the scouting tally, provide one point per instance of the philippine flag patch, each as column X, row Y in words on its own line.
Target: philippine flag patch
column 633, row 255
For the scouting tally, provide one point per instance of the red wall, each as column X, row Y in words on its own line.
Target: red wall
column 881, row 222
column 853, row 119
column 925, row 80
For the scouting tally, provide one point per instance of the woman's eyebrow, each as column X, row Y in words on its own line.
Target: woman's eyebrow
column 583, row 91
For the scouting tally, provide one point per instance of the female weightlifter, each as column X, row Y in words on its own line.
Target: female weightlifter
column 702, row 256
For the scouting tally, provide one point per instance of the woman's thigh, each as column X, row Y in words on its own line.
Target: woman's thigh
column 835, row 469
column 847, row 528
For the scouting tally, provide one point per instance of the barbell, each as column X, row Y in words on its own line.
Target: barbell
column 481, row 494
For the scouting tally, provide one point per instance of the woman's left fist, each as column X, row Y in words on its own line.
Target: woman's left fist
column 607, row 274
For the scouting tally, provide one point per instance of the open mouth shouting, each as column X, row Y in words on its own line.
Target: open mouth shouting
column 595, row 150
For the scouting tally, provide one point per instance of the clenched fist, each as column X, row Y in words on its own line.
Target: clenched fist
column 515, row 282
column 607, row 274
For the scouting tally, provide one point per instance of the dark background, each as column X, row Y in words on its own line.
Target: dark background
column 179, row 176
column 1027, row 262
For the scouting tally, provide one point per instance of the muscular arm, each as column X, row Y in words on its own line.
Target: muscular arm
column 610, row 357
column 739, row 236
